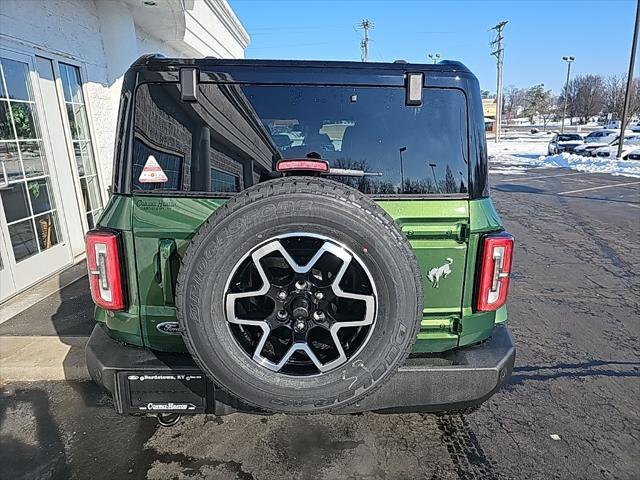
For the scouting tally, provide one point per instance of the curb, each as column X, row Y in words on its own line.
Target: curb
column 29, row 359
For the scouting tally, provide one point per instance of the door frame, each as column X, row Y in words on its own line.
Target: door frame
column 56, row 61
column 32, row 50
column 39, row 266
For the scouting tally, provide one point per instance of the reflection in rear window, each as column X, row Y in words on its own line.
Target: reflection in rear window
column 233, row 135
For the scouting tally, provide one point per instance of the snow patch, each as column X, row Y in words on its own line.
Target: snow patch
column 519, row 155
column 614, row 166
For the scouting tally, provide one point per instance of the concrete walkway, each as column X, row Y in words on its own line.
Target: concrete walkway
column 27, row 359
column 44, row 330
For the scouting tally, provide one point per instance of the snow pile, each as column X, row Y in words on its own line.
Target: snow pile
column 516, row 156
column 614, row 166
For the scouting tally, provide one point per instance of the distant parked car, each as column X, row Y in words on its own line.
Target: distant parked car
column 597, row 139
column 564, row 142
column 633, row 154
column 602, row 136
column 612, row 124
column 586, row 148
column 630, row 143
column 634, row 127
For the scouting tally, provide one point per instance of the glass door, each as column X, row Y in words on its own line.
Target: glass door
column 81, row 143
column 33, row 239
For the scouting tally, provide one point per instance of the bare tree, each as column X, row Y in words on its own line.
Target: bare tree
column 570, row 92
column 614, row 95
column 634, row 103
column 550, row 110
column 589, row 96
column 513, row 101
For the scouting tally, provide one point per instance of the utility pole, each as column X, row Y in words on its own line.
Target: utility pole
column 627, row 94
column 402, row 149
column 434, row 57
column 566, row 90
column 499, row 54
column 365, row 25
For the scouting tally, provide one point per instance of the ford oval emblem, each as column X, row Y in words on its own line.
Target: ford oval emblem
column 171, row 328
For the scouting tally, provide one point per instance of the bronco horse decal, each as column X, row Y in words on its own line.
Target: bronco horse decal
column 436, row 273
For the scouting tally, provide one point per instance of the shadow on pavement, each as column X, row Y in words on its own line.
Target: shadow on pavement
column 52, row 431
column 571, row 370
column 520, row 188
column 44, row 456
column 517, row 188
column 65, row 313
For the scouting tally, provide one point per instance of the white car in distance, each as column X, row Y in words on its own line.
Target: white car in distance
column 634, row 127
column 630, row 144
column 603, row 136
column 613, row 124
column 596, row 139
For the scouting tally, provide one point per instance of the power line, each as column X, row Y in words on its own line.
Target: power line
column 365, row 25
column 499, row 54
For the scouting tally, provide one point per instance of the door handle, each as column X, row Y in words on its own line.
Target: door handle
column 167, row 251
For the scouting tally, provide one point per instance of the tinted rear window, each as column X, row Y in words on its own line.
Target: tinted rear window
column 233, row 135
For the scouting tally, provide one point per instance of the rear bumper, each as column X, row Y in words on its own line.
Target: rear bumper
column 144, row 381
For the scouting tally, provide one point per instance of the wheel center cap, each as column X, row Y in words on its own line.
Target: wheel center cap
column 300, row 308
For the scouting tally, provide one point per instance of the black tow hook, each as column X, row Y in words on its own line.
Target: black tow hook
column 168, row 419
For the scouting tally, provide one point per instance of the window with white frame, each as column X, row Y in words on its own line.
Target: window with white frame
column 27, row 198
column 81, row 139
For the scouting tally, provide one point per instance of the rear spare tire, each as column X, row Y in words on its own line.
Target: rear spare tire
column 299, row 295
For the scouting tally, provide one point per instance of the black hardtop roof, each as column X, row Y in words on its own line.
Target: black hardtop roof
column 156, row 61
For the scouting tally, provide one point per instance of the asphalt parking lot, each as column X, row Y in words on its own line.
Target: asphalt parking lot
column 570, row 410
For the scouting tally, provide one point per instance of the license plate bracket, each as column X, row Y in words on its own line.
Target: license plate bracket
column 163, row 392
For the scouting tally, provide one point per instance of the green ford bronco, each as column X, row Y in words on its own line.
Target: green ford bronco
column 299, row 237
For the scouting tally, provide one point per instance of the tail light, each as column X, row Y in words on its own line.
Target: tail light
column 105, row 274
column 495, row 269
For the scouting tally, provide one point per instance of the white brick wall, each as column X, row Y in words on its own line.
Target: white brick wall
column 76, row 31
column 102, row 38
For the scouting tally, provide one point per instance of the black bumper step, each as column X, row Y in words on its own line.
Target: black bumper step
column 145, row 381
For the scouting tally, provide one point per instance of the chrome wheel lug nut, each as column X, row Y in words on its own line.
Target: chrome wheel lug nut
column 319, row 296
column 319, row 316
column 299, row 326
column 282, row 295
column 282, row 315
column 301, row 285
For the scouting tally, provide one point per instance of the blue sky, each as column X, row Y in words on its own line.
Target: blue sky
column 597, row 32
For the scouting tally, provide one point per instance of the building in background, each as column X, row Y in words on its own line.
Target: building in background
column 489, row 108
column 61, row 68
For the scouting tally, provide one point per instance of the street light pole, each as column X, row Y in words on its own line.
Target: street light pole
column 434, row 57
column 627, row 95
column 566, row 89
column 402, row 149
column 433, row 170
